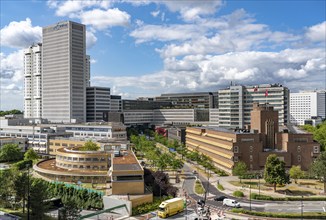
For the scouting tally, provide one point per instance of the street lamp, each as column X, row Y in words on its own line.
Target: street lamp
column 28, row 196
column 207, row 187
column 301, row 207
column 250, row 196
column 258, row 177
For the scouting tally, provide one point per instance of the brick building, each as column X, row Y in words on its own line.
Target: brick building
column 253, row 145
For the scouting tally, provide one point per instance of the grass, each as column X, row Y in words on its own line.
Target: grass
column 199, row 189
column 220, row 187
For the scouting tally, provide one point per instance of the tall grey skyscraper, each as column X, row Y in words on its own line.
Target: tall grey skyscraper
column 33, row 81
column 63, row 81
column 88, row 71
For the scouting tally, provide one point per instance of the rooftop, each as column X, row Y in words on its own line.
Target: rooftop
column 127, row 161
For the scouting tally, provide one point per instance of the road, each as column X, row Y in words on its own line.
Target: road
column 266, row 206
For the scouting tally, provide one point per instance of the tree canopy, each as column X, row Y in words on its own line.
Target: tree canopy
column 319, row 133
column 275, row 171
column 10, row 112
column 296, row 173
column 10, row 152
column 240, row 169
column 30, row 154
column 90, row 146
column 318, row 168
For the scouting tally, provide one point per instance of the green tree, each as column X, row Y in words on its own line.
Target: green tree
column 318, row 168
column 320, row 135
column 90, row 146
column 70, row 210
column 38, row 193
column 275, row 171
column 10, row 152
column 30, row 154
column 296, row 173
column 240, row 169
column 10, row 112
column 20, row 187
column 6, row 186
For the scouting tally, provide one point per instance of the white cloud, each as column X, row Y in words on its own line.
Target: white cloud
column 317, row 32
column 209, row 73
column 155, row 13
column 72, row 8
column 101, row 19
column 20, row 34
column 180, row 32
column 90, row 39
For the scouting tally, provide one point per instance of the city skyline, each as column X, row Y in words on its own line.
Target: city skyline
column 145, row 48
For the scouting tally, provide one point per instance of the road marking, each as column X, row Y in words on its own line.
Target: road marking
column 324, row 209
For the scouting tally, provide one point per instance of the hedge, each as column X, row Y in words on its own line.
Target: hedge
column 306, row 215
column 148, row 207
column 238, row 194
column 264, row 197
column 220, row 187
column 22, row 164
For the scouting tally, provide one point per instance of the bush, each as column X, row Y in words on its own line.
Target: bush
column 148, row 207
column 264, row 197
column 22, row 164
column 306, row 215
column 199, row 189
column 238, row 194
column 220, row 187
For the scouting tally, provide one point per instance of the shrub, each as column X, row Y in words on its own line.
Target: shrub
column 22, row 164
column 199, row 189
column 220, row 187
column 238, row 194
column 148, row 207
column 264, row 197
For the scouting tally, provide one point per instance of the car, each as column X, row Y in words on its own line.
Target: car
column 201, row 202
column 231, row 203
column 220, row 198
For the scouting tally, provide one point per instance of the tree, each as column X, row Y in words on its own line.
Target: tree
column 38, row 193
column 320, row 135
column 30, row 154
column 296, row 173
column 318, row 168
column 10, row 152
column 90, row 146
column 20, row 187
column 275, row 171
column 240, row 169
column 6, row 185
column 70, row 210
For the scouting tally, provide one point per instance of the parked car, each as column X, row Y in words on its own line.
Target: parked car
column 231, row 203
column 201, row 202
column 220, row 198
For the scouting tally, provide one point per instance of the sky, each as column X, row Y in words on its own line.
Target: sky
column 143, row 48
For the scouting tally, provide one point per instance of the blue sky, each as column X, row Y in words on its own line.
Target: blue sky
column 145, row 48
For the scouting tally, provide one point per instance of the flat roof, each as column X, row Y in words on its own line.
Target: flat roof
column 127, row 161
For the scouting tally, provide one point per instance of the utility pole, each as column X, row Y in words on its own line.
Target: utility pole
column 250, row 196
column 258, row 184
column 301, row 207
column 207, row 187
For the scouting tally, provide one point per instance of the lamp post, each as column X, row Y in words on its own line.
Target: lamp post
column 28, row 196
column 258, row 176
column 207, row 187
column 250, row 196
column 301, row 207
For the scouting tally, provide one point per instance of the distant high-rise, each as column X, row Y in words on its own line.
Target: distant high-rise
column 33, row 81
column 236, row 103
column 305, row 105
column 64, row 69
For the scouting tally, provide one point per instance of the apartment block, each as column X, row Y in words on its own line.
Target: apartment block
column 64, row 69
column 307, row 105
column 33, row 81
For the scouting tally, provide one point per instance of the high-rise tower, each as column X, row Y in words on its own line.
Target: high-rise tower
column 33, row 81
column 64, row 69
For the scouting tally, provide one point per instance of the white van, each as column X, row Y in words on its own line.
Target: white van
column 231, row 203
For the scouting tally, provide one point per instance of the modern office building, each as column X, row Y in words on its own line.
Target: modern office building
column 307, row 105
column 191, row 100
column 236, row 102
column 64, row 69
column 97, row 102
column 115, row 103
column 33, row 81
column 252, row 146
column 144, row 104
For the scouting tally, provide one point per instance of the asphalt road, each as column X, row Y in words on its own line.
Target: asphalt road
column 267, row 206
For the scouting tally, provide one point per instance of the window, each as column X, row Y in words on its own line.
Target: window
column 299, row 149
column 235, row 159
column 316, row 149
column 251, row 149
column 299, row 158
column 236, row 149
column 250, row 158
column 57, row 144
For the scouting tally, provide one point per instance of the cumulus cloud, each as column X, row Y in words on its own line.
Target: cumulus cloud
column 155, row 13
column 11, row 67
column 102, row 19
column 317, row 32
column 20, row 34
column 209, row 73
column 90, row 39
column 147, row 33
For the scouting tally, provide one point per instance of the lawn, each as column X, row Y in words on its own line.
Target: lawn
column 199, row 189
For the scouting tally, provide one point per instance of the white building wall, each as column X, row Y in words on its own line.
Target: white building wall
column 33, row 82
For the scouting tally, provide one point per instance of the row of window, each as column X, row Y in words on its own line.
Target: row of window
column 81, row 159
column 88, row 167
